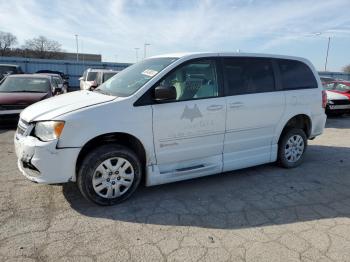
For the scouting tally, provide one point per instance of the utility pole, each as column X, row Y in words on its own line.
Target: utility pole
column 145, row 50
column 76, row 40
column 329, row 42
column 137, row 53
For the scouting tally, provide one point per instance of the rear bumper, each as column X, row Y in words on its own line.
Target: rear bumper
column 318, row 124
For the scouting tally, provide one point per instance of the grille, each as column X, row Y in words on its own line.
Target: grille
column 341, row 102
column 12, row 107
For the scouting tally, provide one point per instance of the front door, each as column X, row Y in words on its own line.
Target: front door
column 189, row 131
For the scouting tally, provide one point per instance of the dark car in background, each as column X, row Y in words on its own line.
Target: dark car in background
column 19, row 91
column 64, row 77
column 8, row 69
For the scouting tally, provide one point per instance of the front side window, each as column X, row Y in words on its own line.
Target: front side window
column 296, row 75
column 23, row 84
column 91, row 76
column 132, row 78
column 248, row 75
column 194, row 80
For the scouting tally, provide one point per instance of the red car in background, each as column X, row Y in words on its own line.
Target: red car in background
column 338, row 96
column 19, row 91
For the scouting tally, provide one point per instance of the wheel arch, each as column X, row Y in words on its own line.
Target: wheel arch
column 301, row 121
column 121, row 138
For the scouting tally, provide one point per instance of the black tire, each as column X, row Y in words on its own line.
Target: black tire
column 281, row 157
column 94, row 159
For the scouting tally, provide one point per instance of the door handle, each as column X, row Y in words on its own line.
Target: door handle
column 236, row 105
column 215, row 107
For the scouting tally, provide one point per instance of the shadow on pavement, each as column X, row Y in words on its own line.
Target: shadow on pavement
column 338, row 122
column 264, row 195
column 8, row 123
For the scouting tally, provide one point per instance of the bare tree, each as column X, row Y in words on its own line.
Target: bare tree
column 41, row 47
column 7, row 40
column 346, row 69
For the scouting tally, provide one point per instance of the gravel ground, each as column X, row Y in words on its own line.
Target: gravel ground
column 263, row 213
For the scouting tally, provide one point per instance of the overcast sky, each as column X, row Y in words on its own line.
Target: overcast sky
column 115, row 28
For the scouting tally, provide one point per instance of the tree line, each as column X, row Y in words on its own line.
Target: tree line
column 37, row 47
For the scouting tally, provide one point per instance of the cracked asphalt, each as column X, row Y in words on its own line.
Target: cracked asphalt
column 263, row 213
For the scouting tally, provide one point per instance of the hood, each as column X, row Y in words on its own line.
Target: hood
column 337, row 95
column 62, row 104
column 24, row 98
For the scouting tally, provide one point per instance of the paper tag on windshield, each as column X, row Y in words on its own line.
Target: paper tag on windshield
column 149, row 72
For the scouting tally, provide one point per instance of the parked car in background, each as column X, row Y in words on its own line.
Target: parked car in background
column 19, row 91
column 326, row 79
column 8, row 69
column 92, row 78
column 338, row 97
column 62, row 85
column 62, row 75
column 173, row 117
column 102, row 76
column 88, row 78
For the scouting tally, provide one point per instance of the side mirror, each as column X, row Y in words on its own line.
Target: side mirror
column 163, row 93
column 93, row 85
column 81, row 78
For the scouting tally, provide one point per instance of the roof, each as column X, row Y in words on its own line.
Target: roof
column 29, row 76
column 237, row 54
column 9, row 65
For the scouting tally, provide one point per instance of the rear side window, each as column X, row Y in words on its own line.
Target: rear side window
column 296, row 75
column 248, row 75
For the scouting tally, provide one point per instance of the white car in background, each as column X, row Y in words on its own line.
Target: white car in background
column 92, row 78
column 173, row 117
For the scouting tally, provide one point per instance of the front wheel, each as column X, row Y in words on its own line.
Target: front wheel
column 291, row 148
column 109, row 174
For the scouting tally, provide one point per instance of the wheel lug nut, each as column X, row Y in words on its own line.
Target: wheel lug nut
column 108, row 179
column 113, row 183
column 116, row 172
column 118, row 178
column 110, row 173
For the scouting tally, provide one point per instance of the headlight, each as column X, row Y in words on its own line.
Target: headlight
column 330, row 102
column 48, row 130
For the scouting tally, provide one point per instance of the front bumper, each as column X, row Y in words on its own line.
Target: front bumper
column 43, row 162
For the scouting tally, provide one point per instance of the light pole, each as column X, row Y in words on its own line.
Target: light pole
column 76, row 40
column 137, row 53
column 145, row 50
column 329, row 42
column 328, row 46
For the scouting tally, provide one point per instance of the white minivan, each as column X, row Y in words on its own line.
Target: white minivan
column 170, row 118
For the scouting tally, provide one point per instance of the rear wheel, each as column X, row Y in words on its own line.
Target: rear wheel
column 109, row 175
column 291, row 148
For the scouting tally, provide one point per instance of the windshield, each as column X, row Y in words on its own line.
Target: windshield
column 6, row 69
column 24, row 84
column 131, row 79
column 342, row 87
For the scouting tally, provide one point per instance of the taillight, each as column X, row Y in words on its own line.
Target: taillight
column 324, row 98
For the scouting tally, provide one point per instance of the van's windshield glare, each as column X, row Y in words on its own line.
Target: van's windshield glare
column 131, row 79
